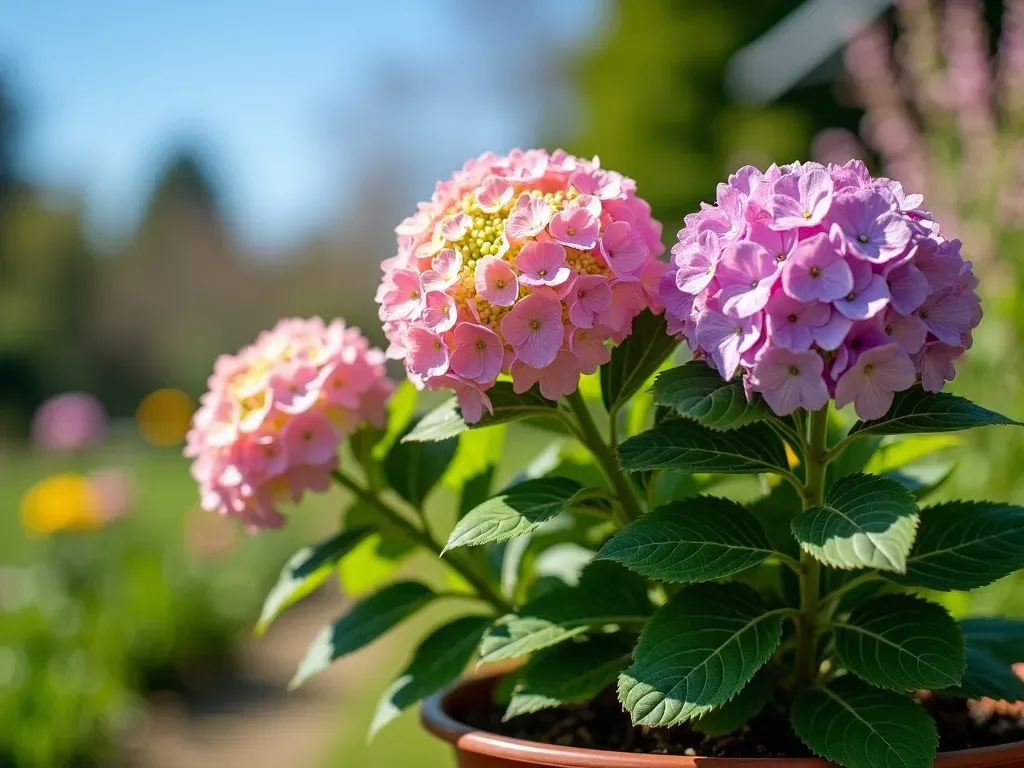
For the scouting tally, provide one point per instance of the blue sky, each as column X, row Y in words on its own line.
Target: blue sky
column 282, row 98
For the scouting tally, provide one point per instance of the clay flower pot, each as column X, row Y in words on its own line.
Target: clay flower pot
column 479, row 749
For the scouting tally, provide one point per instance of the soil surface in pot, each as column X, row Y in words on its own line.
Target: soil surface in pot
column 602, row 724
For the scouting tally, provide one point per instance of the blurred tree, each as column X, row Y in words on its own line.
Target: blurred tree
column 45, row 303
column 8, row 140
column 657, row 109
column 170, row 301
column 183, row 188
column 8, row 123
column 46, row 281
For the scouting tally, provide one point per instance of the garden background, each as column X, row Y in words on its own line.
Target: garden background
column 175, row 177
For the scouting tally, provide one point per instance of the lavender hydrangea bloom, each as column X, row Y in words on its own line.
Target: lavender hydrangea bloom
column 820, row 282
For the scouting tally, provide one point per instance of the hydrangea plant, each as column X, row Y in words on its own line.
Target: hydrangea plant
column 615, row 557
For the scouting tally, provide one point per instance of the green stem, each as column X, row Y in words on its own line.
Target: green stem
column 834, row 596
column 810, row 580
column 605, row 455
column 455, row 560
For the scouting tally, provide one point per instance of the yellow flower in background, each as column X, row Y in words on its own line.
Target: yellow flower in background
column 164, row 415
column 59, row 503
column 791, row 458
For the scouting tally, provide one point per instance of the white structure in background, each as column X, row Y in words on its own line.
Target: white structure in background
column 796, row 46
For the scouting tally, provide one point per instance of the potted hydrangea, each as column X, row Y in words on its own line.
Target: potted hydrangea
column 729, row 559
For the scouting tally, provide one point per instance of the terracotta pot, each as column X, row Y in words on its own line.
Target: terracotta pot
column 479, row 749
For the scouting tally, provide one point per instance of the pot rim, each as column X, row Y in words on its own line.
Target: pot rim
column 435, row 718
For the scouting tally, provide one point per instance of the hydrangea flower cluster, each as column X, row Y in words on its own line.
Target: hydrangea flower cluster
column 524, row 264
column 821, row 282
column 269, row 427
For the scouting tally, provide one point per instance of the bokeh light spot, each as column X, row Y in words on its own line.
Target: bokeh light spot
column 61, row 502
column 163, row 416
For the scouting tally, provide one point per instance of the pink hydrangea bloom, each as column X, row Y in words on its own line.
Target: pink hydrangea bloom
column 528, row 265
column 269, row 427
column 820, row 282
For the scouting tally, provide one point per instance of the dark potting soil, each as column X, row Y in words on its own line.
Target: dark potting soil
column 602, row 724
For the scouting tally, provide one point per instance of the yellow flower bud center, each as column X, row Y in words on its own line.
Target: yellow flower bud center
column 486, row 237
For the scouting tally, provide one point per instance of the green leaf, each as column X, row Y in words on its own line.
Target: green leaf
column 696, row 539
column 401, row 409
column 571, row 672
column 775, row 512
column 902, row 643
column 988, row 676
column 852, row 459
column 593, row 501
column 606, row 595
column 833, row 579
column 1003, row 638
column 476, row 490
column 697, row 390
column 924, row 479
column 735, row 713
column 438, row 661
column 446, row 421
column 850, row 723
column 915, row 410
column 892, row 456
column 866, row 522
column 690, row 447
column 636, row 359
column 306, row 570
column 413, row 469
column 965, row 545
column 698, row 652
column 362, row 443
column 390, row 542
column 376, row 558
column 475, row 465
column 368, row 619
column 517, row 510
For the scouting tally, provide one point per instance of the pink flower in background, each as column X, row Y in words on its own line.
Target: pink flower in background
column 312, row 385
column 857, row 302
column 69, row 423
column 530, row 265
column 114, row 492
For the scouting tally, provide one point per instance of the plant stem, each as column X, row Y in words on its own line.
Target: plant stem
column 810, row 580
column 454, row 560
column 833, row 597
column 605, row 455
